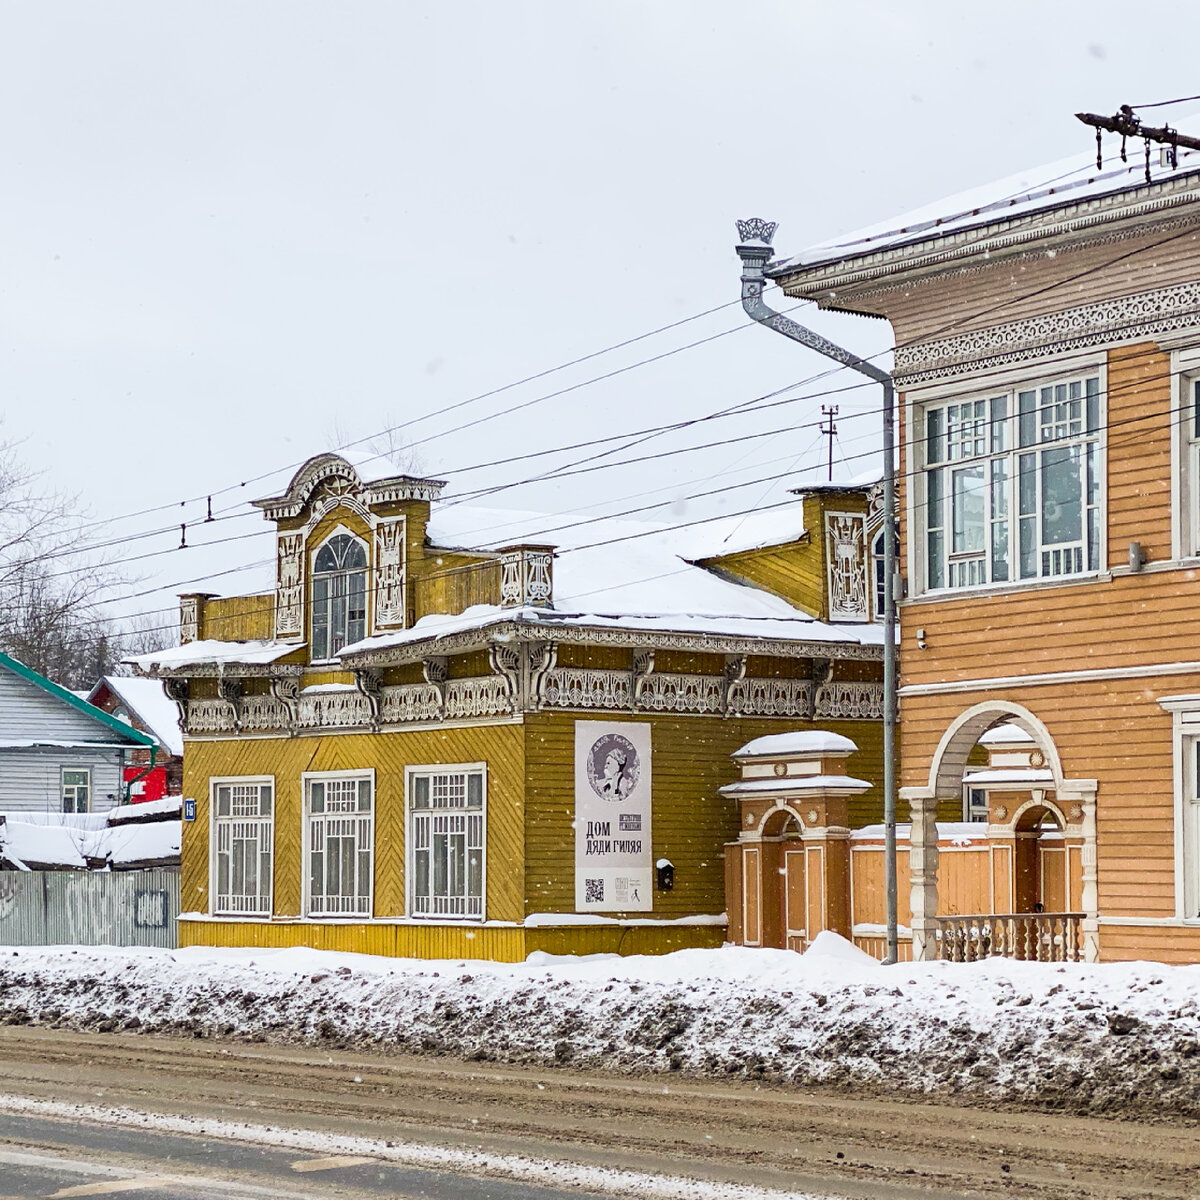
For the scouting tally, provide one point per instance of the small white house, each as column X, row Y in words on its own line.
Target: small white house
column 58, row 753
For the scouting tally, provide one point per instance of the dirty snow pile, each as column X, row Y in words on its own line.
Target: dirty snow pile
column 1097, row 1038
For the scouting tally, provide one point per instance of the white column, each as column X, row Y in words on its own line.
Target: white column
column 1083, row 793
column 923, row 865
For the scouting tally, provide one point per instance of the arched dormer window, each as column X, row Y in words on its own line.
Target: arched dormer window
column 339, row 595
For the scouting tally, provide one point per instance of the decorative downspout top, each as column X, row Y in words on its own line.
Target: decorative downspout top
column 754, row 249
column 757, row 230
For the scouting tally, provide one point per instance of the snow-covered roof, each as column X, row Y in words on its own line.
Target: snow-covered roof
column 1006, row 735
column 1068, row 181
column 67, row 841
column 209, row 650
column 145, row 810
column 631, row 574
column 799, row 627
column 148, row 702
column 802, row 741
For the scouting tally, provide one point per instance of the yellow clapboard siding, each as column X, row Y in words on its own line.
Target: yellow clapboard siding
column 691, row 821
column 499, row 746
column 497, row 944
column 237, row 618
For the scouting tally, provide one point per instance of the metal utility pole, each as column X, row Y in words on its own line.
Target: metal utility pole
column 754, row 250
column 828, row 414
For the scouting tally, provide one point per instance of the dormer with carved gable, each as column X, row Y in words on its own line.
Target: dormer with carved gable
column 344, row 549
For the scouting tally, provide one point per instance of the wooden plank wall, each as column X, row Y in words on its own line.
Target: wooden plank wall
column 1014, row 291
column 238, row 618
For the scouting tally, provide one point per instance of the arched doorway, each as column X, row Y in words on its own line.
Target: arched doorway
column 784, row 891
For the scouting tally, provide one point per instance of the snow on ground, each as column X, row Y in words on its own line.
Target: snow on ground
column 1110, row 1038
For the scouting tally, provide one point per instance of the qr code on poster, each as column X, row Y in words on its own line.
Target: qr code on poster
column 593, row 891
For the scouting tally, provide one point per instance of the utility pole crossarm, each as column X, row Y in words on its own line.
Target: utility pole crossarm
column 1129, row 126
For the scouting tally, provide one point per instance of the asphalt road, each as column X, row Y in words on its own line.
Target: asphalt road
column 41, row 1157
column 73, row 1122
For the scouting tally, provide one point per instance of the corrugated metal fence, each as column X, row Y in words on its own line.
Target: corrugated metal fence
column 89, row 908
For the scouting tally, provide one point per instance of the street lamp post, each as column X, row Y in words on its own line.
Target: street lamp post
column 754, row 249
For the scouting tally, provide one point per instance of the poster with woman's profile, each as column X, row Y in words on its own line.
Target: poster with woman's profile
column 613, row 859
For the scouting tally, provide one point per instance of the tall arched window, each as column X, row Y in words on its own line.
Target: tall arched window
column 339, row 595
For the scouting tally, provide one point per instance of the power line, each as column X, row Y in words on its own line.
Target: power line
column 207, row 496
column 755, row 405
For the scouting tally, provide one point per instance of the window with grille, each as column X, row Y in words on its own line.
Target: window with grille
column 341, row 832
column 339, row 595
column 76, row 790
column 1012, row 486
column 243, row 846
column 446, row 832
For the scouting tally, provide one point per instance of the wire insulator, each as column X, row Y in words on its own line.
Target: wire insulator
column 183, row 537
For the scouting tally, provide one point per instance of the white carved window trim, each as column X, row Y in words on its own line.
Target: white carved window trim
column 394, row 615
column 313, row 551
column 289, row 618
column 1007, row 385
column 858, row 520
column 358, row 826
column 458, row 815
column 258, row 827
column 77, row 791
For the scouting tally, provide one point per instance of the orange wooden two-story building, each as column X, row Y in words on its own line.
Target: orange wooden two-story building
column 1048, row 367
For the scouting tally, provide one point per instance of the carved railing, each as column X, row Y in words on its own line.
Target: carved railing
column 1031, row 937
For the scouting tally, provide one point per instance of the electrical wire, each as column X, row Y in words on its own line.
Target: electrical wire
column 474, row 399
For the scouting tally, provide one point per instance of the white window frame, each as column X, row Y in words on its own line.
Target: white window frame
column 1185, row 738
column 339, row 530
column 1185, row 454
column 426, row 908
column 1009, row 383
column 364, row 907
column 64, row 786
column 968, row 805
column 266, row 898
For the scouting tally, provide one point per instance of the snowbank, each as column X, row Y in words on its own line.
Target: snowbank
column 1119, row 1038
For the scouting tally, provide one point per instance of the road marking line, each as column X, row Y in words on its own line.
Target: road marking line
column 141, row 1183
column 330, row 1164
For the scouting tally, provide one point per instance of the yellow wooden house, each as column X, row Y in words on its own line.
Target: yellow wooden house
column 448, row 732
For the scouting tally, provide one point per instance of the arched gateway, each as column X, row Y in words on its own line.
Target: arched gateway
column 1041, row 841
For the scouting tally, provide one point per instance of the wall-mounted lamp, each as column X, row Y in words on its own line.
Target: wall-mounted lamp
column 920, row 639
column 666, row 874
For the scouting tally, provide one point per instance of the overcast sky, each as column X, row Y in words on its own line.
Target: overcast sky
column 237, row 234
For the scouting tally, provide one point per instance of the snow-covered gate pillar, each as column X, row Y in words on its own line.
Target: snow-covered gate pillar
column 788, row 874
